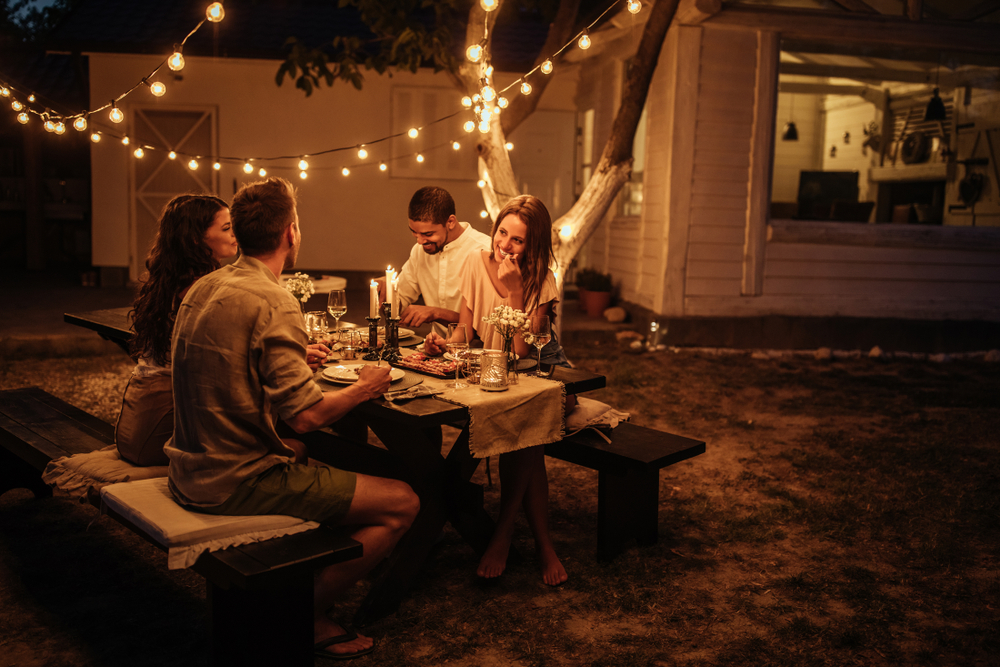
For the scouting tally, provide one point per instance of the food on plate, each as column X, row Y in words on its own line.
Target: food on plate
column 422, row 363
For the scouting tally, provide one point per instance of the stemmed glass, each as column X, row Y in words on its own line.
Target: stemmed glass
column 336, row 305
column 458, row 346
column 541, row 331
column 316, row 326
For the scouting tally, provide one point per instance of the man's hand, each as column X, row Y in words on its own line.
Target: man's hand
column 374, row 380
column 315, row 354
column 415, row 315
column 434, row 344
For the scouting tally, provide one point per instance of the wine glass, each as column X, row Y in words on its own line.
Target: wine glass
column 541, row 331
column 458, row 346
column 316, row 326
column 336, row 305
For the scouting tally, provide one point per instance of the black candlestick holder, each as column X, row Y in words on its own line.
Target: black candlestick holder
column 373, row 350
column 391, row 351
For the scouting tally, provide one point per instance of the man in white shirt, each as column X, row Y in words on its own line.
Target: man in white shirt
column 434, row 268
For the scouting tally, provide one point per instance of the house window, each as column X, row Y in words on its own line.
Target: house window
column 585, row 149
column 631, row 196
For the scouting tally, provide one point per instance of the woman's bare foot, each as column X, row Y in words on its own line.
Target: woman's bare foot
column 494, row 561
column 323, row 630
column 553, row 572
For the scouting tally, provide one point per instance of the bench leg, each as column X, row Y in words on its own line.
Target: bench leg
column 16, row 474
column 262, row 628
column 627, row 504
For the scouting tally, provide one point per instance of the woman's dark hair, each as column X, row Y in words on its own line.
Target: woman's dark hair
column 538, row 244
column 179, row 256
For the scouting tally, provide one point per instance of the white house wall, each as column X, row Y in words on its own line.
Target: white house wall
column 348, row 223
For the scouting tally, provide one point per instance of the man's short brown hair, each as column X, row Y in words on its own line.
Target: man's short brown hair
column 431, row 204
column 261, row 213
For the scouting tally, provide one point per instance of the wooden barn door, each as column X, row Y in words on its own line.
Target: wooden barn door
column 155, row 178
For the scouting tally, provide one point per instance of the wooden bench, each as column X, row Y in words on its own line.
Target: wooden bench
column 260, row 596
column 628, row 480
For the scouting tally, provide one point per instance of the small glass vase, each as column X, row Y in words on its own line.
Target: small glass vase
column 508, row 349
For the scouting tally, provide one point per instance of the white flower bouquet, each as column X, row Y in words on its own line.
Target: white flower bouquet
column 508, row 322
column 301, row 286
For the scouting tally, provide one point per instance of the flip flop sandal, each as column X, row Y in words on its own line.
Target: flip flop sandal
column 319, row 649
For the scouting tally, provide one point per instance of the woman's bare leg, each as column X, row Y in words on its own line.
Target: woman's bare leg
column 514, row 476
column 536, row 509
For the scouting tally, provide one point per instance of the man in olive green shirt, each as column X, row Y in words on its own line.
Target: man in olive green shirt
column 239, row 364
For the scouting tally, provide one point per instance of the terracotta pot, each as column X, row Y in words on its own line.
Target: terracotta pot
column 595, row 303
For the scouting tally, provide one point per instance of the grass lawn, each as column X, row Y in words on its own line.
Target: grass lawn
column 845, row 513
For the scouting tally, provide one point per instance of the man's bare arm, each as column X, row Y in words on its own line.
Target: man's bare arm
column 415, row 315
column 373, row 382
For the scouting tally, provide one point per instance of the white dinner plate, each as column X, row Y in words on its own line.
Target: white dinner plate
column 403, row 333
column 347, row 373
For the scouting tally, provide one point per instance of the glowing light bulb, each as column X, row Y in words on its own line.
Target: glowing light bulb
column 502, row 102
column 469, row 126
column 455, row 145
column 22, row 118
column 412, row 134
column 4, row 91
column 16, row 106
column 509, row 146
column 362, row 153
column 489, row 5
column 478, row 108
column 247, row 168
column 49, row 125
column 262, row 172
column 382, row 166
column 95, row 137
column 215, row 12
column 484, row 126
column 31, row 97
column 217, row 166
column 303, row 165
column 480, row 183
column 546, row 67
column 633, row 6
column 466, row 101
column 345, row 171
column 525, row 88
column 60, row 127
column 176, row 61
column 80, row 123
column 138, row 152
column 489, row 94
column 489, row 70
column 125, row 140
column 484, row 214
column 420, row 158
column 584, row 42
column 303, row 175
column 566, row 231
column 474, row 53
column 157, row 88
column 486, row 115
column 172, row 155
column 116, row 115
column 193, row 164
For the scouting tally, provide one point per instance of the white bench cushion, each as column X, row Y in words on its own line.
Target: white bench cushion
column 185, row 535
column 76, row 475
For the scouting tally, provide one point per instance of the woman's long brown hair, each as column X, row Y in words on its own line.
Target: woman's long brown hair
column 179, row 256
column 538, row 254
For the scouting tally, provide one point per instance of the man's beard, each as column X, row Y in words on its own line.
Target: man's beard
column 291, row 257
column 434, row 248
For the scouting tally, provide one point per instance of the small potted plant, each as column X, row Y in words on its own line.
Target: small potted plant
column 595, row 291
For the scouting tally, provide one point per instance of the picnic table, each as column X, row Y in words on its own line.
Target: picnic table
column 411, row 434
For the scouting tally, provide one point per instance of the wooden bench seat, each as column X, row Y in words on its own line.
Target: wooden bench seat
column 260, row 595
column 628, row 479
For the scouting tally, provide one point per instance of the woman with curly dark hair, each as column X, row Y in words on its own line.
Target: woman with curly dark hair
column 195, row 236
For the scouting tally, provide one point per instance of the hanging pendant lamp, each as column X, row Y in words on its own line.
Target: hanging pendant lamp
column 791, row 133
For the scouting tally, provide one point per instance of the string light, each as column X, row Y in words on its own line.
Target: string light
column 584, row 42
column 262, row 172
column 489, row 5
column 489, row 94
column 484, row 214
column 60, row 127
column 546, row 67
column 49, row 125
column 80, row 123
column 22, row 118
column 484, row 126
column 176, row 61
column 566, row 231
column 382, row 166
column 116, row 114
column 455, row 145
column 16, row 106
column 474, row 53
column 247, row 167
column 469, row 126
column 420, row 158
column 217, row 166
column 4, row 91
column 412, row 134
column 125, row 140
column 467, row 102
column 172, row 155
column 215, row 12
column 525, row 87
column 193, row 164
column 509, row 146
column 303, row 175
column 634, row 6
column 481, row 183
column 362, row 152
column 158, row 88
column 345, row 171
column 502, row 102
column 31, row 97
column 303, row 165
column 95, row 137
column 138, row 152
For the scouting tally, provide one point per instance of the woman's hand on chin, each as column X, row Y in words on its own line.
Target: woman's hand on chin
column 509, row 274
column 434, row 344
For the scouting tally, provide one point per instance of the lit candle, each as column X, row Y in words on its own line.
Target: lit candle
column 373, row 305
column 395, row 296
column 388, row 284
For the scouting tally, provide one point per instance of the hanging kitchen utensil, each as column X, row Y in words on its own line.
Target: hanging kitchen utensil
column 914, row 148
